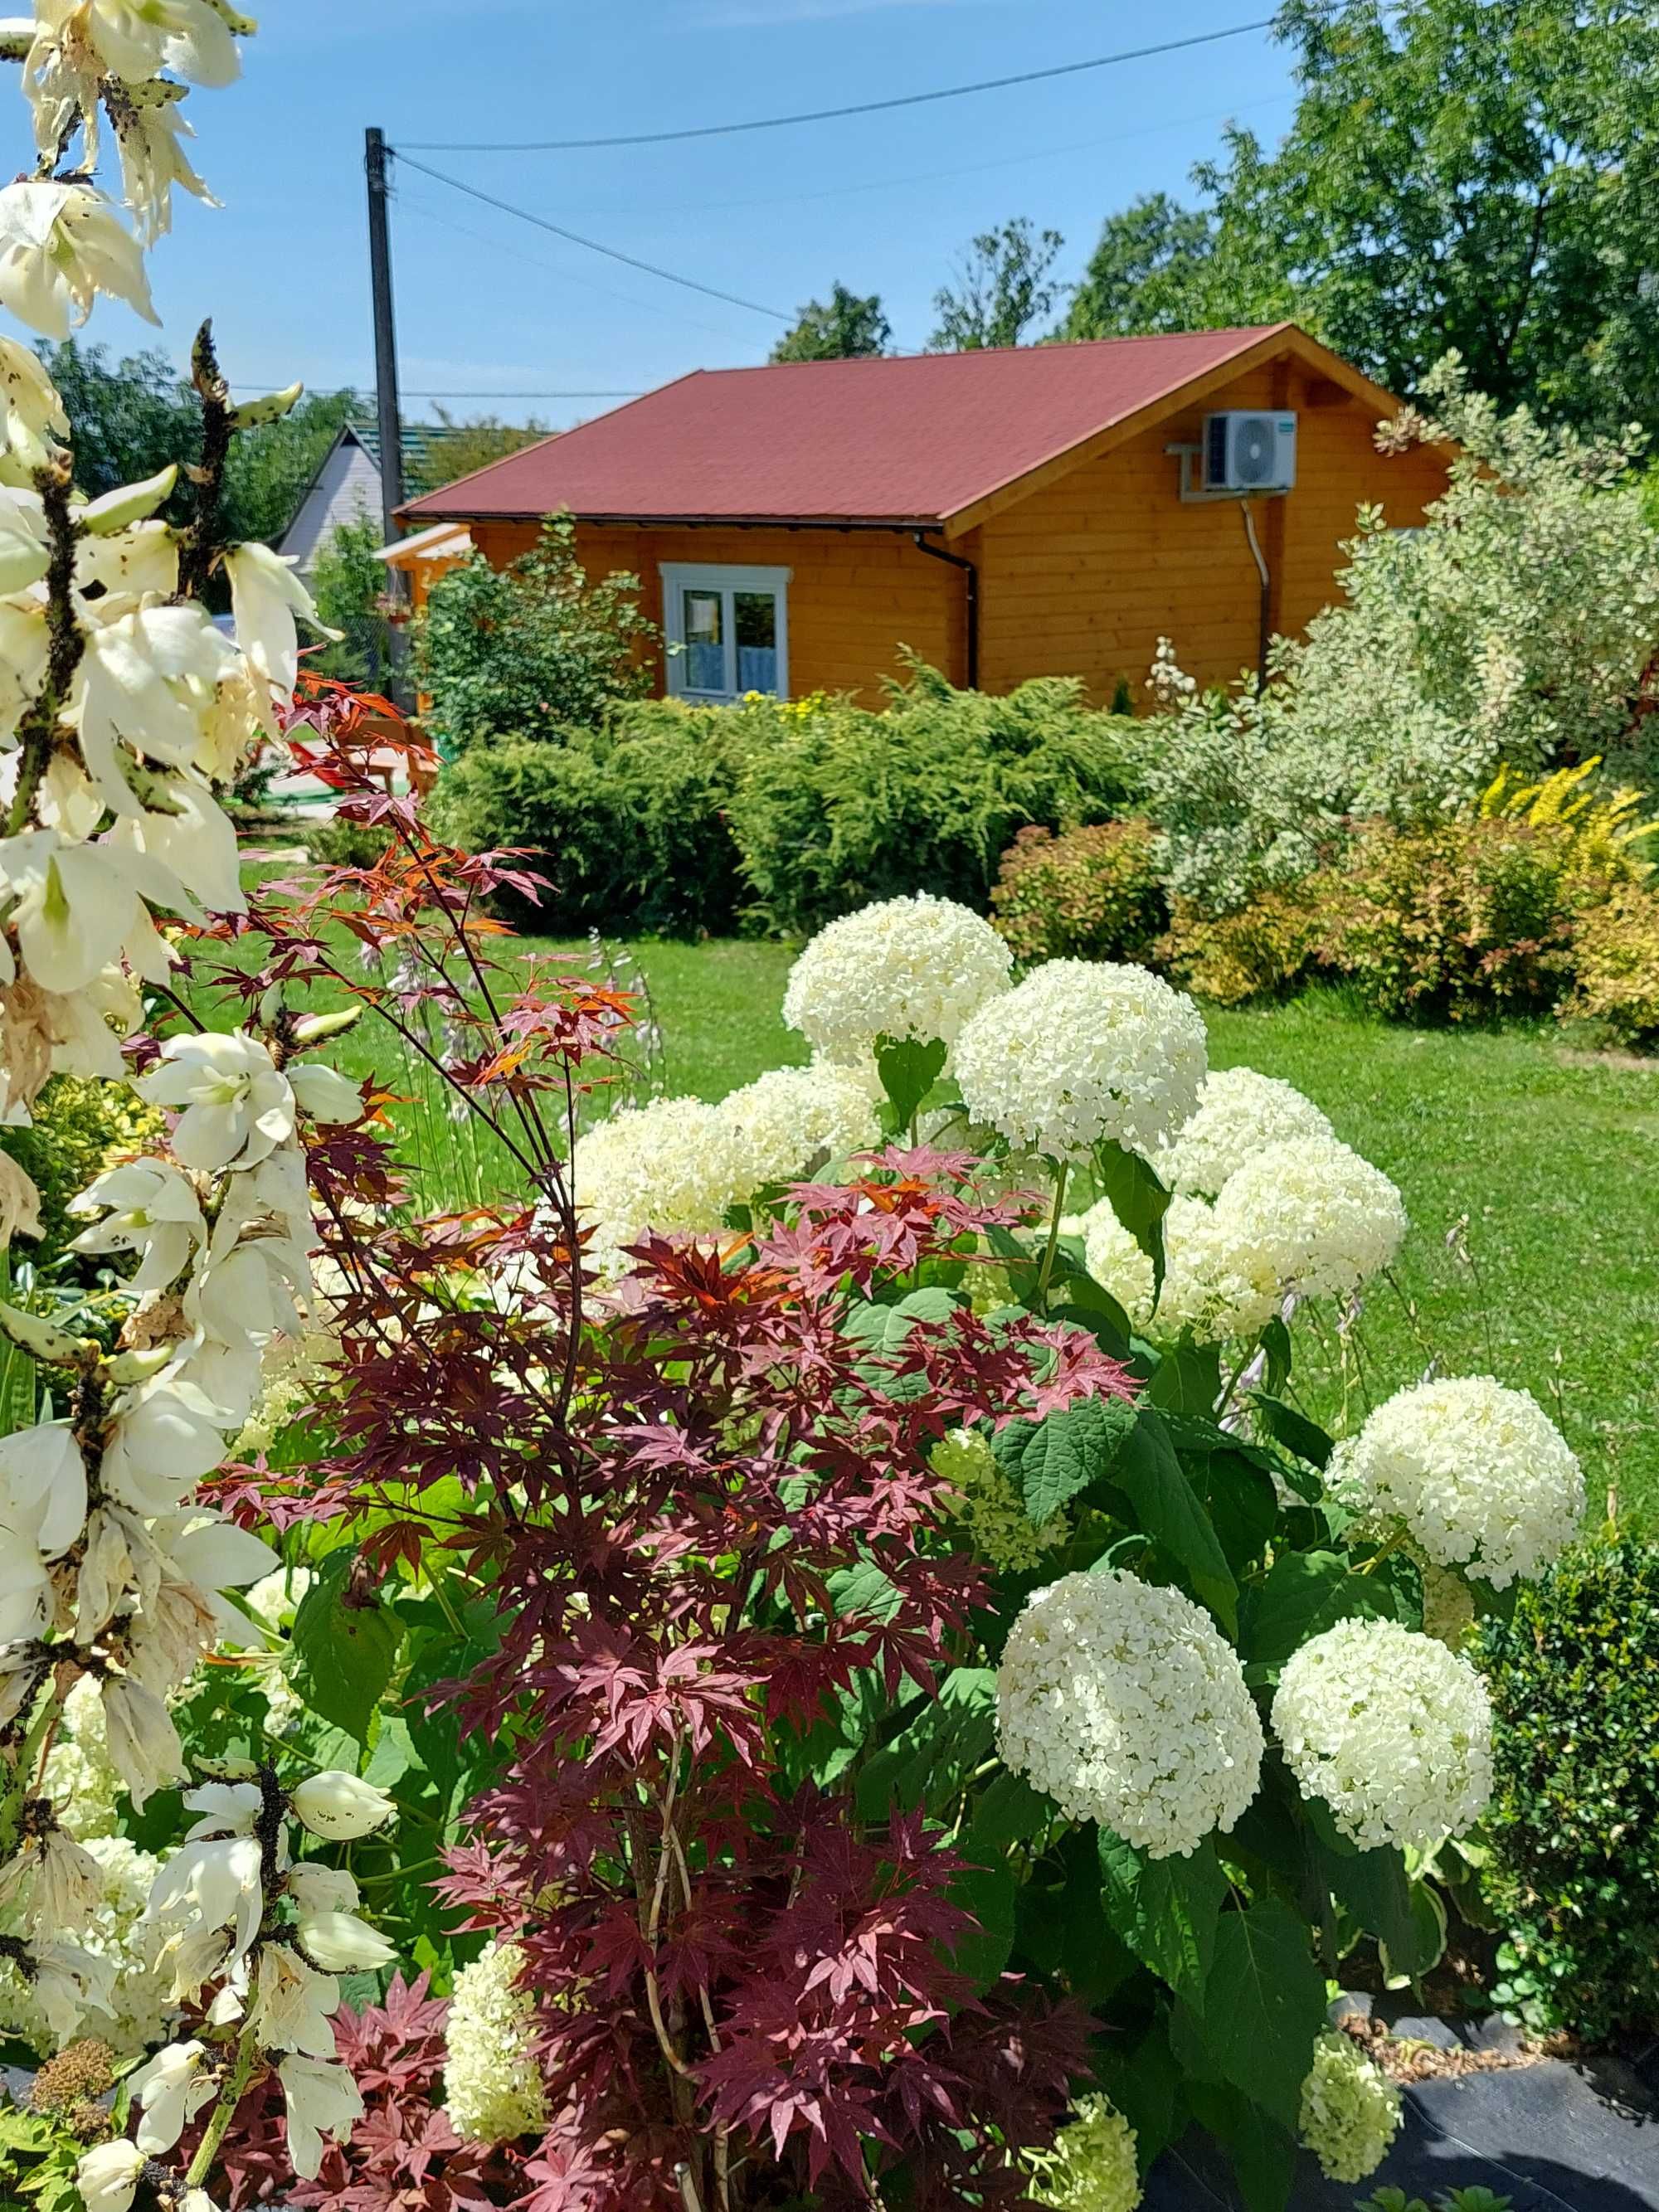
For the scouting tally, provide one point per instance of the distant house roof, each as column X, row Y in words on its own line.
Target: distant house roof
column 422, row 442
column 920, row 441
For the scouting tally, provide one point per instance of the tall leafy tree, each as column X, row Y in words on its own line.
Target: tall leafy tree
column 846, row 327
column 1003, row 285
column 1481, row 175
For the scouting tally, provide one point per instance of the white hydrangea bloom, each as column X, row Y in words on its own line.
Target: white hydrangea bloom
column 1447, row 1603
column 80, row 1778
column 904, row 968
column 1349, row 2109
column 1392, row 1730
column 675, row 1166
column 1239, row 1114
column 1479, row 1475
column 492, row 2089
column 793, row 1120
column 1092, row 2166
column 1217, row 1283
column 1323, row 1218
column 1125, row 1704
column 1117, row 1261
column 1080, row 1051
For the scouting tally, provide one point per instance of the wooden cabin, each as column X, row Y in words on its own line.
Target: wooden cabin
column 1032, row 511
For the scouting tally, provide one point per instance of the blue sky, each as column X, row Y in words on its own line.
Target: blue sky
column 486, row 306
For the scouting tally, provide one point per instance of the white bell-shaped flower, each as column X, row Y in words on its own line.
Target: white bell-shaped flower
column 153, row 1210
column 56, row 1884
column 32, row 417
column 43, row 1484
column 291, row 2005
column 80, row 906
column 107, row 2175
column 214, row 1882
column 331, row 1935
column 170, row 2091
column 69, row 1984
column 60, row 245
column 143, row 1744
column 234, row 1105
column 339, row 1806
column 322, row 2099
column 265, row 596
column 25, row 551
column 326, row 1095
column 163, row 1439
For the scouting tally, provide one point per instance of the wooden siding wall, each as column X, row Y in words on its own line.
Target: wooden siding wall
column 856, row 596
column 1081, row 578
column 1084, row 576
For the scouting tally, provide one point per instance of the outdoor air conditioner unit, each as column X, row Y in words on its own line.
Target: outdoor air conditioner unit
column 1245, row 452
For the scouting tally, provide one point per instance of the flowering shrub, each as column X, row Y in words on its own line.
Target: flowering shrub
column 1518, row 625
column 1090, row 894
column 1260, row 950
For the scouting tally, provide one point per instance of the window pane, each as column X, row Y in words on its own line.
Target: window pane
column 755, row 618
column 705, row 647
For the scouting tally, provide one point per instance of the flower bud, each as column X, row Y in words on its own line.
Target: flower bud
column 312, row 1029
column 338, row 1806
column 127, row 503
column 274, row 406
column 340, row 1943
column 326, row 1094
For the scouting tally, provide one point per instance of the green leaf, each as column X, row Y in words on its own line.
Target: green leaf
column 1053, row 1461
column 1239, row 1496
column 1276, row 1348
column 1157, row 1485
column 989, row 1893
column 1187, row 1380
column 932, row 1758
column 1145, row 2086
column 1263, row 2152
column 864, row 1590
column 909, row 1070
column 343, row 1654
column 1303, row 1593
column 882, row 1329
column 1426, row 1945
column 1138, row 1200
column 1294, row 1431
column 1264, row 2004
column 1167, row 1911
column 1009, row 1811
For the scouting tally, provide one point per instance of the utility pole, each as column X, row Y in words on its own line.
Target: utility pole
column 386, row 376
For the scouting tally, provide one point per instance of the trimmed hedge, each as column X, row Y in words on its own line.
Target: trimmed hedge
column 1574, row 1821
column 778, row 816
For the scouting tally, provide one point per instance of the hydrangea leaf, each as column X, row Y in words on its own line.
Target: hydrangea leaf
column 1264, row 2002
column 1293, row 1430
column 1053, row 1461
column 909, row 1070
column 1167, row 1911
column 1303, row 1593
column 1263, row 2152
column 980, row 1952
column 929, row 1761
column 1153, row 1479
column 343, row 1654
column 1138, row 1200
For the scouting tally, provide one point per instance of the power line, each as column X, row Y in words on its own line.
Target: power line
column 351, row 384
column 833, row 114
column 575, row 238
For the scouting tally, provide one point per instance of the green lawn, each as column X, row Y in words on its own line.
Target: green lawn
column 1553, row 1160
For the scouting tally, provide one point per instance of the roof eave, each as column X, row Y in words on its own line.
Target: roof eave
column 467, row 517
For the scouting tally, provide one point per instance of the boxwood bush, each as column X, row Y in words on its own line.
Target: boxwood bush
column 776, row 816
column 1574, row 1821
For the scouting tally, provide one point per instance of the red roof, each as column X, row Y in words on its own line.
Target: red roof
column 888, row 441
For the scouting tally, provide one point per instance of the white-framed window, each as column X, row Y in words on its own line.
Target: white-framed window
column 728, row 629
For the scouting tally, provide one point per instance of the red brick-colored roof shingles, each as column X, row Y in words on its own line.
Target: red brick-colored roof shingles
column 888, row 441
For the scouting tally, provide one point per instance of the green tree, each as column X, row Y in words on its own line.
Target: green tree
column 347, row 583
column 1459, row 174
column 531, row 650
column 849, row 326
column 1002, row 287
column 132, row 417
column 455, row 449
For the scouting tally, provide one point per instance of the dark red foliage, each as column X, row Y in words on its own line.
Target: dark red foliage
column 704, row 1508
column 403, row 2155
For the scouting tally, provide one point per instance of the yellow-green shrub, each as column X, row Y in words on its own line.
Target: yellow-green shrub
column 1089, row 894
column 1260, row 951
column 1616, row 960
column 78, row 1130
